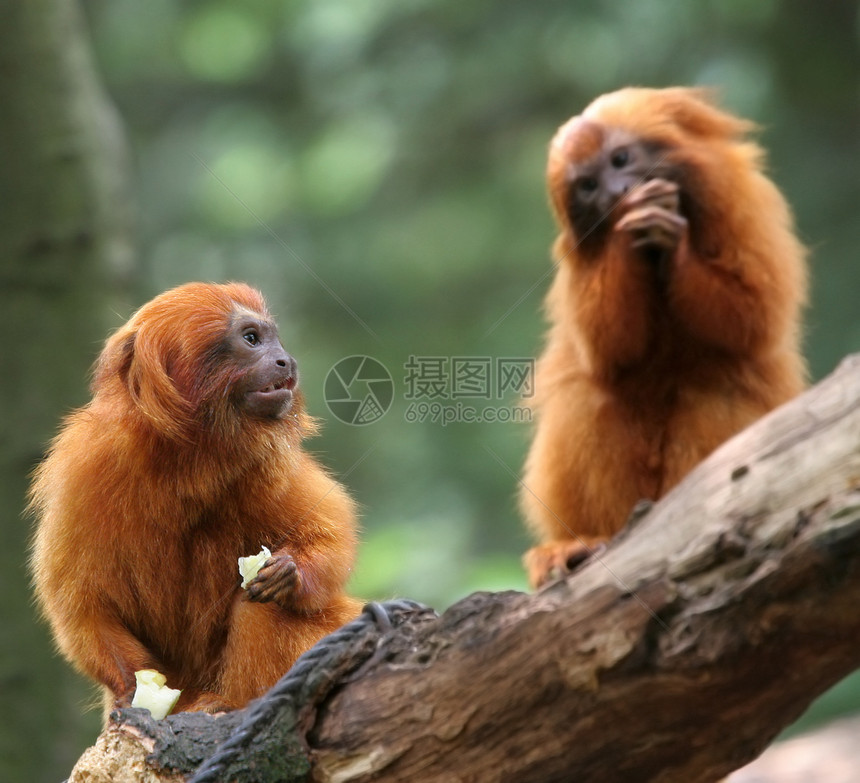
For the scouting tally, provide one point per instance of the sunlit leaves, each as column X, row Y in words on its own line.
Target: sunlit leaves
column 346, row 162
column 396, row 148
column 224, row 42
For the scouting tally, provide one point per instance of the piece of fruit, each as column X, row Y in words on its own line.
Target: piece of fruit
column 153, row 694
column 249, row 566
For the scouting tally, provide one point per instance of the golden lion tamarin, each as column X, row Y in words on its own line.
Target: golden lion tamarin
column 674, row 312
column 188, row 457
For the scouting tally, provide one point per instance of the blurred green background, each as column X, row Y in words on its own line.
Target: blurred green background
column 376, row 168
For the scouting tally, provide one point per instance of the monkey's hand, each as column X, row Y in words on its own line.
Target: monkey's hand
column 278, row 580
column 554, row 560
column 650, row 217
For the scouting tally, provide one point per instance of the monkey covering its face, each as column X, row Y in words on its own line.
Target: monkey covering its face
column 674, row 313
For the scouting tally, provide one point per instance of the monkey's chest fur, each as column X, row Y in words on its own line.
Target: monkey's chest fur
column 651, row 415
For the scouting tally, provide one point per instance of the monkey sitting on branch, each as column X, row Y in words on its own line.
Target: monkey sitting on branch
column 674, row 312
column 188, row 457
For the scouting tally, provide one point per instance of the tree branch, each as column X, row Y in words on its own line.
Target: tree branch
column 677, row 655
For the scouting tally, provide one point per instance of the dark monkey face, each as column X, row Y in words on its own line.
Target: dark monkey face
column 268, row 378
column 593, row 168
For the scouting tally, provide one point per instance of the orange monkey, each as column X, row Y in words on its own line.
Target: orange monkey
column 674, row 313
column 188, row 457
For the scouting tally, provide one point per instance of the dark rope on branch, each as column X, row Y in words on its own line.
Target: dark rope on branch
column 269, row 744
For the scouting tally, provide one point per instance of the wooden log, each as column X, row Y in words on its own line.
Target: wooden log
column 676, row 655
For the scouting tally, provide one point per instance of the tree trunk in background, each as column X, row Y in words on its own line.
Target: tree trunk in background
column 65, row 250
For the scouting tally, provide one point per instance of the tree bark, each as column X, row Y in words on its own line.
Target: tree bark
column 65, row 247
column 676, row 655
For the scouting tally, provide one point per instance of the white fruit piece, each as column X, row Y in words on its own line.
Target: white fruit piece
column 249, row 566
column 153, row 694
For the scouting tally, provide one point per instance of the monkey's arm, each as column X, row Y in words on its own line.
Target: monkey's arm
column 731, row 305
column 613, row 307
column 730, row 300
column 314, row 562
column 741, row 285
column 101, row 646
column 615, row 294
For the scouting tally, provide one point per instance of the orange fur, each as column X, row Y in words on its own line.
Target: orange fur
column 152, row 491
column 644, row 372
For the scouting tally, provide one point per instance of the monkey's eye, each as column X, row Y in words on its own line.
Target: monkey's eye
column 620, row 158
column 251, row 337
column 587, row 184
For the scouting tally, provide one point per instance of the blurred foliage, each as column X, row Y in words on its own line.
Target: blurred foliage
column 376, row 168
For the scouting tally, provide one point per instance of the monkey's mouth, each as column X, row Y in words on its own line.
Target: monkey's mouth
column 274, row 400
column 284, row 384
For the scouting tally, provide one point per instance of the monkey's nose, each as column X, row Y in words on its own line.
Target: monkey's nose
column 283, row 359
column 617, row 190
column 287, row 361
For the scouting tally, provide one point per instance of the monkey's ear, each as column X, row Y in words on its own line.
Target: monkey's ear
column 136, row 362
column 115, row 359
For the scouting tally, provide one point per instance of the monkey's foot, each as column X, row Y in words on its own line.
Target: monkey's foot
column 204, row 702
column 554, row 560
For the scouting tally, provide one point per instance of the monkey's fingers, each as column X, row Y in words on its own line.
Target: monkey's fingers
column 277, row 580
column 660, row 193
column 652, row 226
